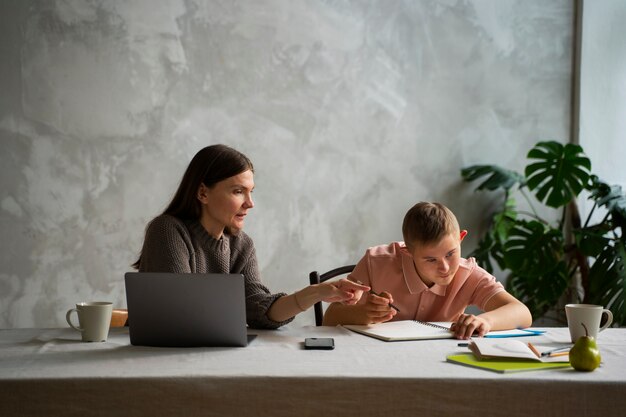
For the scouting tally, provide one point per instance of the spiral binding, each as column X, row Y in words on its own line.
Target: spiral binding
column 426, row 323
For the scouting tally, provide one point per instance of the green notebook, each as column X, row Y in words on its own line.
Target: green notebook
column 504, row 365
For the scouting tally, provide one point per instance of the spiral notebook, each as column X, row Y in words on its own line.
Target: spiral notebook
column 392, row 331
column 404, row 330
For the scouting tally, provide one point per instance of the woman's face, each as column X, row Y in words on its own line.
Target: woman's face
column 226, row 203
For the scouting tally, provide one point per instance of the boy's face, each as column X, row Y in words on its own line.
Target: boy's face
column 437, row 263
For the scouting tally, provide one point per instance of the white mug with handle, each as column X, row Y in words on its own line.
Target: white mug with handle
column 94, row 319
column 588, row 314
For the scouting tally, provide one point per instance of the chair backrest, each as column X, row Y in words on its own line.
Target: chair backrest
column 316, row 278
column 119, row 317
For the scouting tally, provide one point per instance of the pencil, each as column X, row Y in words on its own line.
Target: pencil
column 378, row 295
column 390, row 305
column 559, row 354
column 534, row 349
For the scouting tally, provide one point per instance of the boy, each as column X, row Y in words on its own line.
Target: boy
column 427, row 279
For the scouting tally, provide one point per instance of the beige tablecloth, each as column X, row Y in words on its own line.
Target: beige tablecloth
column 50, row 372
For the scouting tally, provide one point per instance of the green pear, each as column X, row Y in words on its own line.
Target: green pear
column 585, row 356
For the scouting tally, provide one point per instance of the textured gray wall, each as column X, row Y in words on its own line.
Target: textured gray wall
column 351, row 111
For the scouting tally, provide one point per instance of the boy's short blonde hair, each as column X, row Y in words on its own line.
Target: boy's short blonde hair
column 428, row 223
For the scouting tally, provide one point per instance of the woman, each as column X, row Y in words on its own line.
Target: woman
column 201, row 232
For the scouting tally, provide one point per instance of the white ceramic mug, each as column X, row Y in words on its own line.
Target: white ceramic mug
column 590, row 315
column 94, row 319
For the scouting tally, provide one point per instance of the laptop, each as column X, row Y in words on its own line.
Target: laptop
column 186, row 310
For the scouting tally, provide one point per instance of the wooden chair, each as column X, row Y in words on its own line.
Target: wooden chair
column 119, row 317
column 316, row 278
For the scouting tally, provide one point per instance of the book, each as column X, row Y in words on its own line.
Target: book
column 392, row 331
column 404, row 330
column 504, row 365
column 514, row 349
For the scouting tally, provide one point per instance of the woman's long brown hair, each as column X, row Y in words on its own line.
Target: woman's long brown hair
column 209, row 166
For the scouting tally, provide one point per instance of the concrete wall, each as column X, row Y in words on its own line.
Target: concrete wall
column 351, row 111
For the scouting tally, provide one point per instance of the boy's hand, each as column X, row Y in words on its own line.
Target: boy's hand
column 377, row 310
column 468, row 325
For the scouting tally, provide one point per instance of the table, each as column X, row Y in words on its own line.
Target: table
column 47, row 372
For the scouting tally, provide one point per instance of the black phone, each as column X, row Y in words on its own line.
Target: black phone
column 324, row 343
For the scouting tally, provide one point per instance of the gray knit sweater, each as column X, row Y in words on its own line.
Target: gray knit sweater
column 174, row 245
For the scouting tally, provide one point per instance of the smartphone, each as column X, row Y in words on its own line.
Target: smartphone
column 324, row 343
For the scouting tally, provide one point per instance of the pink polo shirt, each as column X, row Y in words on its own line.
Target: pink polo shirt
column 390, row 268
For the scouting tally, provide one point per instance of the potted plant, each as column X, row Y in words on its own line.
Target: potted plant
column 566, row 259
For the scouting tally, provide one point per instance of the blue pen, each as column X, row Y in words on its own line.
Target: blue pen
column 531, row 332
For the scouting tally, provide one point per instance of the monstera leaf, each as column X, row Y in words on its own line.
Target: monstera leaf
column 541, row 258
column 498, row 177
column 505, row 220
column 561, row 173
column 488, row 248
column 533, row 247
column 591, row 241
column 612, row 197
column 534, row 254
column 491, row 245
column 539, row 292
column 607, row 279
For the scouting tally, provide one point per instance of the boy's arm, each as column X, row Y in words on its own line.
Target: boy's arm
column 338, row 313
column 505, row 312
column 502, row 312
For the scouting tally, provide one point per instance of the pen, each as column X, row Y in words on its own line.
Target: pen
column 554, row 351
column 559, row 354
column 534, row 349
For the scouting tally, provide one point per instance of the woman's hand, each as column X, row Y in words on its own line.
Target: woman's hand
column 375, row 309
column 341, row 291
column 468, row 325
